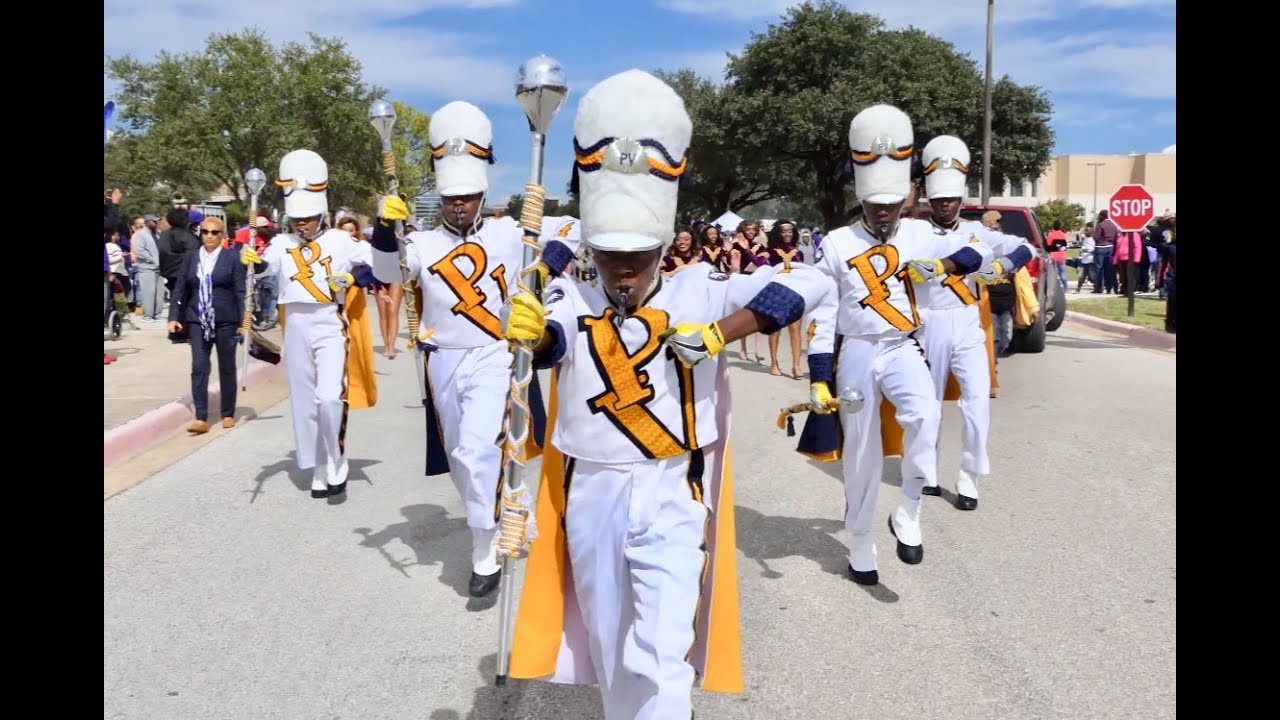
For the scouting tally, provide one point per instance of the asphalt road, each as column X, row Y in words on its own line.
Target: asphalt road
column 229, row 592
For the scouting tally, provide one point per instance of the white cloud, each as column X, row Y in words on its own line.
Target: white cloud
column 1086, row 114
column 406, row 60
column 1103, row 62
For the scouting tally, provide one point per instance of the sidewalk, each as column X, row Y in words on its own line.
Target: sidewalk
column 146, row 393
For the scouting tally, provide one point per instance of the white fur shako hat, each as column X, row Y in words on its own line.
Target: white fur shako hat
column 881, row 144
column 946, row 167
column 304, row 177
column 461, row 138
column 631, row 136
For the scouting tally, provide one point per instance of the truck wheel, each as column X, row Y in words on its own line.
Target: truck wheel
column 1058, row 305
column 1031, row 339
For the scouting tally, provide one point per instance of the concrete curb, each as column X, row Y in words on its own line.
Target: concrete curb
column 124, row 441
column 1144, row 337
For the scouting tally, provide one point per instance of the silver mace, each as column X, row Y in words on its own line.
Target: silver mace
column 849, row 400
column 254, row 181
column 382, row 115
column 540, row 90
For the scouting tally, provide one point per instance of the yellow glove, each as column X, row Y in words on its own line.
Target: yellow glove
column 694, row 342
column 925, row 270
column 820, row 399
column 991, row 273
column 249, row 256
column 523, row 318
column 392, row 208
column 339, row 283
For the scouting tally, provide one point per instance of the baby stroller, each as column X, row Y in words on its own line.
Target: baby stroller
column 116, row 307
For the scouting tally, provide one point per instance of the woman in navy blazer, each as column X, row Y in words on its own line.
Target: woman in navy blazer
column 219, row 274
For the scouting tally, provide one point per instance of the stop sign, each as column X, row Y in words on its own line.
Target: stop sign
column 1131, row 207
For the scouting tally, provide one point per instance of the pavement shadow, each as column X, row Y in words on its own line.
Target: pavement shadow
column 764, row 537
column 301, row 479
column 890, row 475
column 435, row 539
column 769, row 537
column 525, row 698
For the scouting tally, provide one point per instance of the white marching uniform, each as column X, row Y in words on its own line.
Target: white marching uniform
column 881, row 354
column 955, row 343
column 464, row 282
column 878, row 321
column 632, row 421
column 315, row 345
column 642, row 435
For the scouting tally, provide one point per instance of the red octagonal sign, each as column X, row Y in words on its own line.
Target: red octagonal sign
column 1131, row 207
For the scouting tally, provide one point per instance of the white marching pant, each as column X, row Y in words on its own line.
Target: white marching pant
column 315, row 358
column 955, row 343
column 636, row 539
column 469, row 388
column 894, row 369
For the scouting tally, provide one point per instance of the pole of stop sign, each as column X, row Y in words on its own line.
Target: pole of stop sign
column 1132, row 274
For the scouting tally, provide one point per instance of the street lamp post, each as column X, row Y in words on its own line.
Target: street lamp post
column 1095, row 166
column 986, row 113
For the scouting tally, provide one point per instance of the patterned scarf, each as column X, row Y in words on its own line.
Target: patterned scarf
column 204, row 274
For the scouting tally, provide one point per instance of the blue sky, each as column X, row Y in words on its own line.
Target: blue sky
column 1108, row 65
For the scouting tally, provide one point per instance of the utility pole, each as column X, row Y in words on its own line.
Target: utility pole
column 986, row 119
column 1095, row 166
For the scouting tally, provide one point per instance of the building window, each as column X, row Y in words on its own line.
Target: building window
column 1015, row 187
column 974, row 187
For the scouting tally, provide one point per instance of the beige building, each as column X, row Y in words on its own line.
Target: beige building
column 1089, row 180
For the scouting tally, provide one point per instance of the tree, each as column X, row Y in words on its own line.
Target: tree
column 724, row 173
column 411, row 145
column 550, row 207
column 134, row 173
column 198, row 121
column 1071, row 215
column 1020, row 136
column 798, row 84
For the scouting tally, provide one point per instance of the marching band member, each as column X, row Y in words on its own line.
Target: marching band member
column 328, row 351
column 465, row 269
column 956, row 344
column 636, row 493
column 878, row 265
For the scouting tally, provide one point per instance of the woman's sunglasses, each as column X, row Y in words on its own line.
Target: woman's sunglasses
column 204, row 231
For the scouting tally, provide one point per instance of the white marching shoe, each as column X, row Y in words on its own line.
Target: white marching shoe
column 862, row 559
column 904, row 523
column 966, row 492
column 486, row 571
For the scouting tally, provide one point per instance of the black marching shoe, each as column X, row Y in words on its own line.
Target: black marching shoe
column 909, row 554
column 483, row 585
column 335, row 490
column 966, row 503
column 864, row 577
column 320, row 494
column 934, row 490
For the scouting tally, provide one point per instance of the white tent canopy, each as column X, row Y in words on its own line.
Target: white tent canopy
column 728, row 221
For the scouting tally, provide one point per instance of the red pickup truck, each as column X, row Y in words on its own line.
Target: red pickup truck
column 1021, row 221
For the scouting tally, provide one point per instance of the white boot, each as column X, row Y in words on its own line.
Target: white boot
column 966, row 492
column 862, row 553
column 484, row 551
column 906, row 522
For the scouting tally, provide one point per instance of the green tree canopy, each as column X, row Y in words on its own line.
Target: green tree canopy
column 724, row 173
column 411, row 144
column 196, row 122
column 1070, row 214
column 780, row 126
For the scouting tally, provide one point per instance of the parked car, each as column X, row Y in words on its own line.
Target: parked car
column 1022, row 222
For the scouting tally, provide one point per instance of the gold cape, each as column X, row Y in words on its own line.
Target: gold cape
column 550, row 640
